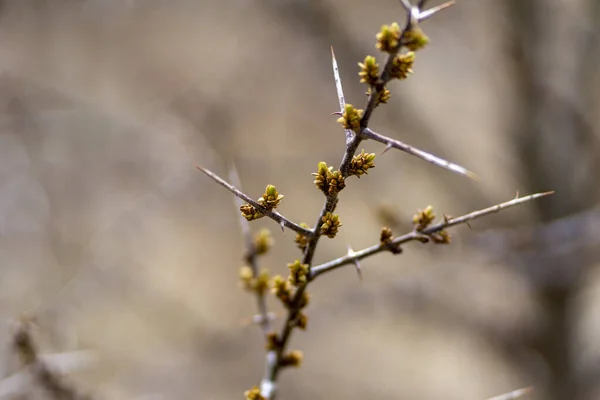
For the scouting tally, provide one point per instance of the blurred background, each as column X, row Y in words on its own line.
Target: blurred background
column 127, row 257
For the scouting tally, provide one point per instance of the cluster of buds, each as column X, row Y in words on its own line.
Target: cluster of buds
column 402, row 65
column 250, row 212
column 361, row 163
column 302, row 240
column 330, row 182
column 350, row 118
column 369, row 71
column 263, row 241
column 388, row 39
column 258, row 284
column 298, row 273
column 383, row 95
column 441, row 237
column 331, row 225
column 414, row 38
column 386, row 238
column 269, row 200
column 253, row 394
column 283, row 289
column 423, row 218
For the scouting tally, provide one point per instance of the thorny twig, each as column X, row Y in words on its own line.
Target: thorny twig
column 359, row 131
column 274, row 215
column 415, row 235
column 273, row 359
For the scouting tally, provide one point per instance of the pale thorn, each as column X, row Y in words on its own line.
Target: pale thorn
column 351, row 253
column 387, row 148
column 429, row 13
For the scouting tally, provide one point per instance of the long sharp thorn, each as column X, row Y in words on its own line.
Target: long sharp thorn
column 434, row 10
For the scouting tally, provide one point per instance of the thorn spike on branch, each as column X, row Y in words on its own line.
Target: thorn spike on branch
column 387, row 148
column 434, row 10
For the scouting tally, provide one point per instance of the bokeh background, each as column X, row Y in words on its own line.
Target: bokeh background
column 127, row 257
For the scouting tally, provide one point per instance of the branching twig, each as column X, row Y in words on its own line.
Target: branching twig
column 415, row 235
column 292, row 291
column 274, row 357
column 274, row 215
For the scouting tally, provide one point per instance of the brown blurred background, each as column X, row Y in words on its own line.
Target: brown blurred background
column 113, row 241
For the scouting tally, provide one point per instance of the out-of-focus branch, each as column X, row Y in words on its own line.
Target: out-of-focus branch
column 515, row 394
column 46, row 378
column 251, row 257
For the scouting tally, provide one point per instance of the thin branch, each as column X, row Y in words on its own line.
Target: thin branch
column 274, row 215
column 423, row 155
column 515, row 394
column 251, row 257
column 414, row 235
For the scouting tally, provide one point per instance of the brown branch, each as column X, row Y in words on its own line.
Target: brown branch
column 274, row 357
column 414, row 235
column 274, row 215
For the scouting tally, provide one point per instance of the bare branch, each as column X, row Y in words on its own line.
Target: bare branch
column 414, row 235
column 423, row 155
column 515, row 394
column 274, row 215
